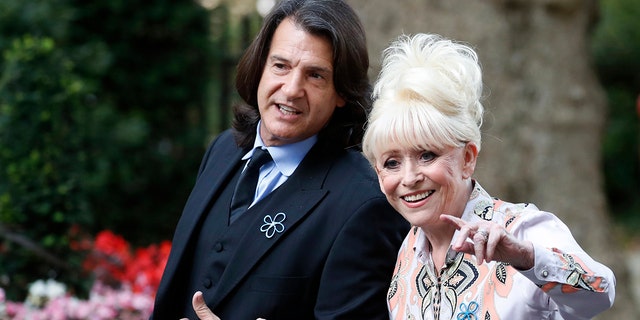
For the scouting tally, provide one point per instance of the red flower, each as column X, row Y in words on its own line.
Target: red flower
column 112, row 262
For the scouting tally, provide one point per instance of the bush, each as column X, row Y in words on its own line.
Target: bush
column 125, row 282
column 616, row 48
column 43, row 158
column 155, row 84
column 101, row 123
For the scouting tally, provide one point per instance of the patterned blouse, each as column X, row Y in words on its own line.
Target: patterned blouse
column 565, row 283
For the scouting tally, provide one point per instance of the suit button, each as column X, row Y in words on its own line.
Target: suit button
column 206, row 283
column 218, row 247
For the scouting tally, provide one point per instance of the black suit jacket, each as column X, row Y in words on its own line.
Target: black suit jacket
column 334, row 259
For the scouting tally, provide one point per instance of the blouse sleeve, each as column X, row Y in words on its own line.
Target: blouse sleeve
column 580, row 286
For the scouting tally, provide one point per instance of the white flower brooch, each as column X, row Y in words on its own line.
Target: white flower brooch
column 273, row 225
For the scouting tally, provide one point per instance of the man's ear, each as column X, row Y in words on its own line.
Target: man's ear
column 341, row 102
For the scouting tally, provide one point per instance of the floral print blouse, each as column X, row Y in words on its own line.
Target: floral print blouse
column 565, row 283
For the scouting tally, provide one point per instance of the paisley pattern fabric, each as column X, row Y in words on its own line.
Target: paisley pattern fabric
column 565, row 282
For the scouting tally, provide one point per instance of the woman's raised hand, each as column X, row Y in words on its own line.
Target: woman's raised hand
column 491, row 242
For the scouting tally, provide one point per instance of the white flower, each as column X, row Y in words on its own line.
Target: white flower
column 41, row 292
column 273, row 225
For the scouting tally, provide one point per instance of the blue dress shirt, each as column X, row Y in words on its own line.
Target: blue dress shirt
column 286, row 159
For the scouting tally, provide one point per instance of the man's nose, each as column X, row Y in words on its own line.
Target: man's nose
column 293, row 85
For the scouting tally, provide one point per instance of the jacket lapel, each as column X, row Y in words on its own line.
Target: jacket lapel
column 213, row 176
column 294, row 199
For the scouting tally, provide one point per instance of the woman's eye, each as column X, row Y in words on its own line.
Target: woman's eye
column 427, row 156
column 391, row 164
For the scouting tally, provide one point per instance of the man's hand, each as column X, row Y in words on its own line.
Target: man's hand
column 201, row 309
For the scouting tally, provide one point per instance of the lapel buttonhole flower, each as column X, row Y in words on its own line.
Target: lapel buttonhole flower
column 273, row 225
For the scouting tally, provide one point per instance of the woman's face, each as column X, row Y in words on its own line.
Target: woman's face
column 423, row 184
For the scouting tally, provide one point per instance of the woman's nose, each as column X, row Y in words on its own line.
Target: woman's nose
column 412, row 175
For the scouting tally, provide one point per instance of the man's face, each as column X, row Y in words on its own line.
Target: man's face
column 296, row 94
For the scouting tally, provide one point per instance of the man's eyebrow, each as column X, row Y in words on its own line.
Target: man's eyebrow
column 315, row 68
column 276, row 57
column 320, row 69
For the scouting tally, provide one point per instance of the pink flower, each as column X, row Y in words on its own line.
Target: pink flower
column 124, row 286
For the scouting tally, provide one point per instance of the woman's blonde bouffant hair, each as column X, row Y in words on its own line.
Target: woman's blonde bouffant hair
column 427, row 96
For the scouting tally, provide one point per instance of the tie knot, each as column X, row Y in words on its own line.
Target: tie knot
column 260, row 156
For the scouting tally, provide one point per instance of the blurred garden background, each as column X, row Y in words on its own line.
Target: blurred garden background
column 106, row 108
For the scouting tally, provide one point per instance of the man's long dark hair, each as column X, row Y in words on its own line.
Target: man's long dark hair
column 337, row 21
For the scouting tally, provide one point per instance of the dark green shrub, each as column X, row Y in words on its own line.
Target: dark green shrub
column 156, row 85
column 43, row 119
column 616, row 48
column 101, row 126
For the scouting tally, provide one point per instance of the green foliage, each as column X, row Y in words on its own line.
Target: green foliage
column 616, row 48
column 616, row 42
column 40, row 120
column 42, row 154
column 231, row 35
column 101, row 124
column 156, row 85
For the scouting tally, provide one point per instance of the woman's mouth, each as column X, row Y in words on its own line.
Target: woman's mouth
column 418, row 196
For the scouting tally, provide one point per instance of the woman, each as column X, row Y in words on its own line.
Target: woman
column 468, row 255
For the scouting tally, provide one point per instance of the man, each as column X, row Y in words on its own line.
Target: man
column 319, row 240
